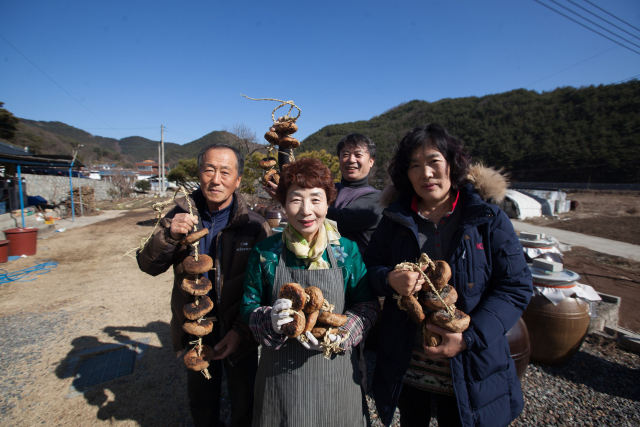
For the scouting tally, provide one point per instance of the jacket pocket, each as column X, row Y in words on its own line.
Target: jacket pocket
column 495, row 414
column 514, row 257
column 474, row 264
column 487, row 391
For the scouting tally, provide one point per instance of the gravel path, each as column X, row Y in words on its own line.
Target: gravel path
column 599, row 386
column 24, row 339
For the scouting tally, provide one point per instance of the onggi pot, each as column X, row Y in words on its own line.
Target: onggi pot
column 518, row 338
column 556, row 332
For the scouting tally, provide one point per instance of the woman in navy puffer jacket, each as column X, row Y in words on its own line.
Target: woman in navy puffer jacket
column 441, row 209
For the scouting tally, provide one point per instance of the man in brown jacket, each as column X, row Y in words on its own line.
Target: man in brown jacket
column 233, row 231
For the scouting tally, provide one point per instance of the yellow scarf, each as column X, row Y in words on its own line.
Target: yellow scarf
column 311, row 252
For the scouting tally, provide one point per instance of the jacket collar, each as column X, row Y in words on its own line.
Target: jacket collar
column 474, row 209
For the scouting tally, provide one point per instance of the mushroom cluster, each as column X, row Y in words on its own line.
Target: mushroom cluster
column 198, row 358
column 312, row 313
column 279, row 135
column 438, row 301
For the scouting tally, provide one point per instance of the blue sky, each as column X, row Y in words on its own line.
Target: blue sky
column 124, row 68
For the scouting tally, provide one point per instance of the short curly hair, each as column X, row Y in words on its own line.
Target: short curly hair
column 429, row 135
column 306, row 173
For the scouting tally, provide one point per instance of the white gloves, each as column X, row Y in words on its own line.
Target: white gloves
column 278, row 318
column 313, row 343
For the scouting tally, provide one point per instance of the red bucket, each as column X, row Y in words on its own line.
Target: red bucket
column 22, row 241
column 4, row 251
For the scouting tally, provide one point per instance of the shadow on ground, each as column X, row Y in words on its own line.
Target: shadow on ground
column 153, row 395
column 603, row 376
column 147, row 223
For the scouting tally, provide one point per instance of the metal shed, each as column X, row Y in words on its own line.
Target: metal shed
column 15, row 156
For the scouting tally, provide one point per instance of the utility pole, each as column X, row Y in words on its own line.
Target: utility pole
column 163, row 193
column 80, row 184
column 159, row 161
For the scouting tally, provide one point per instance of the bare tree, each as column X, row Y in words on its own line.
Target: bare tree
column 122, row 183
column 245, row 139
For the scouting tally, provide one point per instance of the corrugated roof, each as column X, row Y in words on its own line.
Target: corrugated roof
column 6, row 148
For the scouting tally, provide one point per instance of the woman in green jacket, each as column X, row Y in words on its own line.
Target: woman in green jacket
column 296, row 385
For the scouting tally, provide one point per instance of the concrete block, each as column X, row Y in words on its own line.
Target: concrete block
column 547, row 265
column 625, row 337
column 607, row 312
column 530, row 236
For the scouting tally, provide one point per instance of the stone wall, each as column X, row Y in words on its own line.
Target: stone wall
column 56, row 188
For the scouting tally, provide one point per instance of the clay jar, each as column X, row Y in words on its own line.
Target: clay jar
column 274, row 217
column 556, row 332
column 518, row 338
column 269, row 209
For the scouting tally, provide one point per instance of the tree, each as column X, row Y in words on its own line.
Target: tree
column 252, row 174
column 185, row 174
column 242, row 137
column 8, row 123
column 143, row 185
column 122, row 183
column 329, row 161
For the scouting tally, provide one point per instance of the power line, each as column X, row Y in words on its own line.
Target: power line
column 571, row 66
column 85, row 129
column 56, row 83
column 577, row 167
column 610, row 14
column 600, row 17
column 179, row 133
column 626, row 80
column 591, row 22
column 588, row 28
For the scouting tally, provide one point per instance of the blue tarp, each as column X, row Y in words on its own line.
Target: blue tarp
column 36, row 200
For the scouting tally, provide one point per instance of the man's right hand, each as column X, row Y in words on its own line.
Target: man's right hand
column 182, row 224
column 405, row 282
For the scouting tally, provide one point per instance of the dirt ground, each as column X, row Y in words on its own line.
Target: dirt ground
column 610, row 275
column 610, row 215
column 96, row 296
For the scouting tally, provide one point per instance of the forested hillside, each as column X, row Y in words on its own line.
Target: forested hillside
column 569, row 135
column 590, row 134
column 59, row 138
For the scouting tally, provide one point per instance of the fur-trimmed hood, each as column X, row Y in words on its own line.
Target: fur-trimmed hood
column 490, row 184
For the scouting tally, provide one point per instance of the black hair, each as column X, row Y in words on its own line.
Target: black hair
column 451, row 148
column 357, row 139
column 239, row 156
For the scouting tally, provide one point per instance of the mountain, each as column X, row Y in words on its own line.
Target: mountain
column 140, row 148
column 191, row 149
column 59, row 138
column 589, row 134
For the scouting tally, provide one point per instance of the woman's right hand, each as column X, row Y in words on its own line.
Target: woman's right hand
column 278, row 315
column 405, row 282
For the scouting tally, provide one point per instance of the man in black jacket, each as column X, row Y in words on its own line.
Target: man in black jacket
column 233, row 231
column 356, row 209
